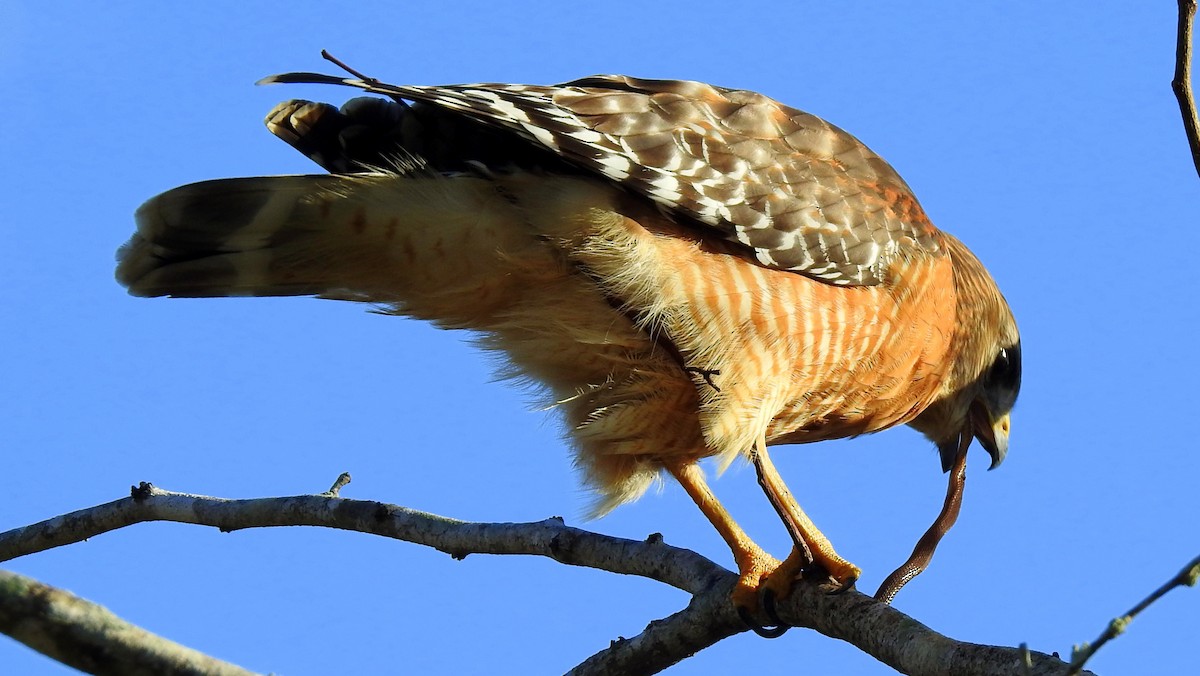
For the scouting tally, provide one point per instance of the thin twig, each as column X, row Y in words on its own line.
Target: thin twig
column 1182, row 84
column 90, row 638
column 1081, row 654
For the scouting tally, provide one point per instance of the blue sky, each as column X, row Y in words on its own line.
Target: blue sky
column 1044, row 135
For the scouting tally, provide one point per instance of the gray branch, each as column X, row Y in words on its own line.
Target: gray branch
column 88, row 637
column 876, row 628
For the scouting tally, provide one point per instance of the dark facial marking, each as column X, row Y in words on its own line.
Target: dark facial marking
column 1005, row 371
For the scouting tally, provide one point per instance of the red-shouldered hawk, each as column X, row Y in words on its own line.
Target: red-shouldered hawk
column 691, row 271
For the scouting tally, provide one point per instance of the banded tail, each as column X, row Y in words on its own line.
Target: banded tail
column 419, row 242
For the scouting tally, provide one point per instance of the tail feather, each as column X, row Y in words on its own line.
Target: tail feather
column 386, row 238
column 223, row 238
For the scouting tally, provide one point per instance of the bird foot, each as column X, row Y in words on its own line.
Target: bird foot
column 747, row 595
column 777, row 584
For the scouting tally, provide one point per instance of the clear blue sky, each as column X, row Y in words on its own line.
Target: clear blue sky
column 1044, row 135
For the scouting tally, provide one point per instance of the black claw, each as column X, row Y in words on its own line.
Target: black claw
column 768, row 606
column 765, row 632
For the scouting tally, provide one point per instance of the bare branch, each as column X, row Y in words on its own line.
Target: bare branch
column 90, row 638
column 709, row 618
column 1186, row 577
column 652, row 558
column 876, row 628
column 903, row 643
column 1182, row 84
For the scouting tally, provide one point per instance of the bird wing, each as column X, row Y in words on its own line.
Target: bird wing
column 800, row 193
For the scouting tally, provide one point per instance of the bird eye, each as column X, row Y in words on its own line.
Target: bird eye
column 1006, row 368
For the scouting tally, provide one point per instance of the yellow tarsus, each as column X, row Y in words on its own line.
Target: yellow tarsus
column 753, row 563
column 811, row 545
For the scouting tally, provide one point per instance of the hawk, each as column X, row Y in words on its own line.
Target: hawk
column 690, row 271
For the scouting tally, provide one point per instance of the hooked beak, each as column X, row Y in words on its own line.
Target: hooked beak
column 992, row 433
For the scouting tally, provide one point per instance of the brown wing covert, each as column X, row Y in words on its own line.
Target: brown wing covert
column 801, row 193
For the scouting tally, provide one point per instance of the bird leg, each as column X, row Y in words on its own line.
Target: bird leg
column 811, row 545
column 754, row 565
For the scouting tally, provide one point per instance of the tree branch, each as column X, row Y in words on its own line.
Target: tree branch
column 88, row 637
column 1182, row 84
column 708, row 619
column 876, row 628
column 903, row 643
column 651, row 558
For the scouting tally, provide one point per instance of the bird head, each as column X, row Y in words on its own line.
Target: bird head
column 978, row 395
column 988, row 414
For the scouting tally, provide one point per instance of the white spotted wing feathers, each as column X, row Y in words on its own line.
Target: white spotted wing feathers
column 802, row 194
